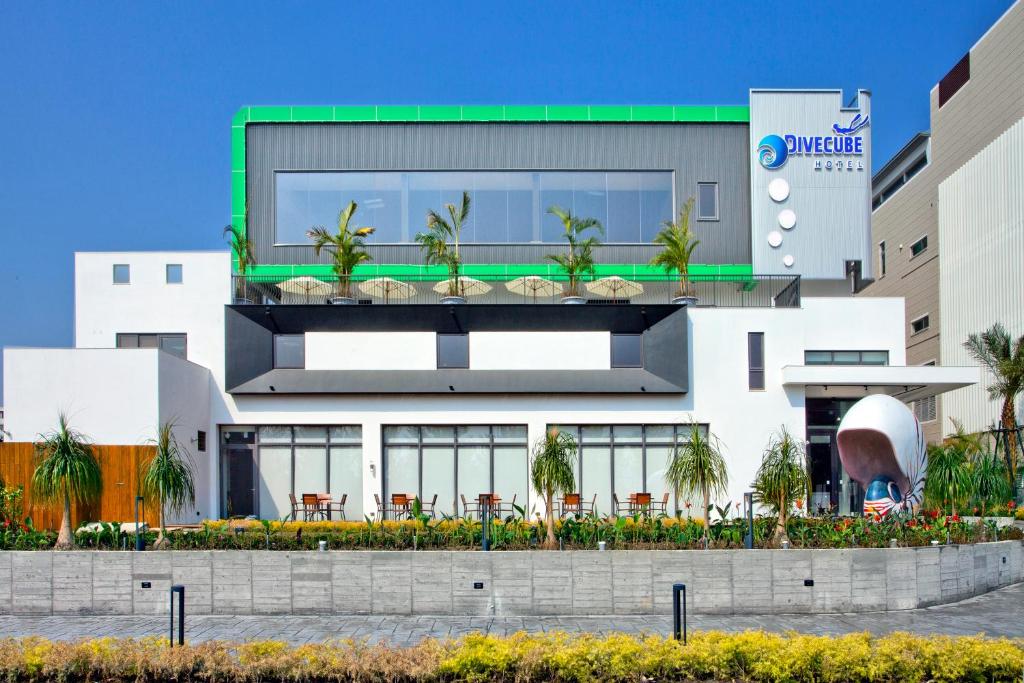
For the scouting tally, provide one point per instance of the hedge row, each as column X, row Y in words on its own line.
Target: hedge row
column 709, row 656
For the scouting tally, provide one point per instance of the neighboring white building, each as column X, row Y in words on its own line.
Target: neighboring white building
column 276, row 393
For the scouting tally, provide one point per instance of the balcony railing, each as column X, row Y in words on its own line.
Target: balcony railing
column 743, row 291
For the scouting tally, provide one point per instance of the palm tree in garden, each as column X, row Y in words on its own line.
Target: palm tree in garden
column 346, row 246
column 782, row 479
column 1004, row 357
column 554, row 458
column 242, row 249
column 988, row 479
column 949, row 477
column 579, row 259
column 678, row 242
column 169, row 477
column 696, row 466
column 66, row 470
column 441, row 240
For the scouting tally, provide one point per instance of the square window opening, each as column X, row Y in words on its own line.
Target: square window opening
column 452, row 351
column 627, row 351
column 289, row 351
column 174, row 274
column 122, row 274
column 919, row 325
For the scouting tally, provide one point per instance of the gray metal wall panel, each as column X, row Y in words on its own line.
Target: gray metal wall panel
column 696, row 152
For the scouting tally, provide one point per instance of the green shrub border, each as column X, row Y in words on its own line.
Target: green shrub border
column 709, row 656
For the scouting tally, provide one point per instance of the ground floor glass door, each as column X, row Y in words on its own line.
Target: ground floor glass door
column 238, row 472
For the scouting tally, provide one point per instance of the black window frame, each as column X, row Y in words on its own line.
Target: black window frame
column 640, row 341
column 927, row 324
column 919, row 247
column 881, row 259
column 755, row 366
column 159, row 337
column 277, row 366
column 451, row 366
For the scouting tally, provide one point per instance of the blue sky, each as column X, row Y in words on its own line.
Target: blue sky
column 115, row 122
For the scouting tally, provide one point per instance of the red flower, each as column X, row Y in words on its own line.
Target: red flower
column 800, row 504
column 1011, row 505
column 956, row 518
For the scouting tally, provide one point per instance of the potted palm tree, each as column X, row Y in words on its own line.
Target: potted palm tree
column 696, row 466
column 1004, row 358
column 554, row 458
column 66, row 470
column 678, row 243
column 346, row 247
column 169, row 477
column 441, row 244
column 579, row 259
column 244, row 253
column 782, row 480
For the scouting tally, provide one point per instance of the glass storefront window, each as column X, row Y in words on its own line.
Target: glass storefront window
column 509, row 207
column 455, row 462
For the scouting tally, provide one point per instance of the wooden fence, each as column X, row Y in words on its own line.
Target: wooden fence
column 121, row 467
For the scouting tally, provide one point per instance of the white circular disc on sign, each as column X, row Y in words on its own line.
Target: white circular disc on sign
column 788, row 260
column 778, row 189
column 775, row 238
column 787, row 219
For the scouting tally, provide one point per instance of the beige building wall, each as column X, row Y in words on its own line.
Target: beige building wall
column 981, row 110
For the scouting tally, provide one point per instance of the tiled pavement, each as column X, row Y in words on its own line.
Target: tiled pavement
column 999, row 613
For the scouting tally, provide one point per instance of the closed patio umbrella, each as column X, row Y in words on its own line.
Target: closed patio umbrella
column 467, row 287
column 615, row 287
column 387, row 288
column 305, row 286
column 533, row 285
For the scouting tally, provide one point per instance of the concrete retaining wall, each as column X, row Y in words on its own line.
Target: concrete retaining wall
column 504, row 583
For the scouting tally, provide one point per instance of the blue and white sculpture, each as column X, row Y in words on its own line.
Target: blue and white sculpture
column 881, row 446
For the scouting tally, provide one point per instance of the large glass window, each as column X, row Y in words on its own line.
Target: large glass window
column 508, row 206
column 625, row 459
column 455, row 462
column 307, row 459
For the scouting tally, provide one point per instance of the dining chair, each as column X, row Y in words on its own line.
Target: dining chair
column 428, row 508
column 661, row 507
column 469, row 509
column 615, row 504
column 337, row 505
column 571, row 505
column 311, row 508
column 589, row 509
column 381, row 510
column 295, row 505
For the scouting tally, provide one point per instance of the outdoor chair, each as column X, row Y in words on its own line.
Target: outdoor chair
column 311, row 507
column 295, row 506
column 401, row 505
column 382, row 511
column 588, row 508
column 428, row 508
column 571, row 505
column 660, row 507
column 469, row 509
column 615, row 504
column 337, row 505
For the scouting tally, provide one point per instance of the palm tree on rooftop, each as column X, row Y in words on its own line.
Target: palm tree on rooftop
column 346, row 247
column 441, row 240
column 579, row 258
column 678, row 243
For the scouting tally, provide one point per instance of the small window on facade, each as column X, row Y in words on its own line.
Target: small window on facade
column 627, row 351
column 707, row 201
column 174, row 344
column 453, row 351
column 289, row 351
column 122, row 274
column 919, row 246
column 201, row 441
column 919, row 325
column 755, row 360
column 174, row 274
column 881, row 259
column 924, row 409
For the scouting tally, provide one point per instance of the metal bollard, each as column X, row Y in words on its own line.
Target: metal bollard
column 485, row 518
column 140, row 542
column 180, row 590
column 677, row 626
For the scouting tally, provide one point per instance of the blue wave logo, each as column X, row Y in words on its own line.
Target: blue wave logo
column 772, row 151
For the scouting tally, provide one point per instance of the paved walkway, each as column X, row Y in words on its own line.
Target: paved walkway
column 999, row 613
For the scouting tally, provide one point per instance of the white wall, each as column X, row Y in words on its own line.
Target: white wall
column 847, row 323
column 110, row 395
column 539, row 350
column 371, row 351
column 981, row 265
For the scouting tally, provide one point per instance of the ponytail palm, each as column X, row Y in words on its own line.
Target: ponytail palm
column 346, row 247
column 678, row 242
column 579, row 259
column 441, row 240
column 782, row 479
column 67, row 470
column 696, row 466
column 1004, row 357
column 169, row 476
column 554, row 459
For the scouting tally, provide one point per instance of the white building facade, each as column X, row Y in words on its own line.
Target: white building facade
column 276, row 391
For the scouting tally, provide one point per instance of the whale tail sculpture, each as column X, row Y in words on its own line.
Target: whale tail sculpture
column 881, row 446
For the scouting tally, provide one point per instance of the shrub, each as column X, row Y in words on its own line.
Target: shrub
column 711, row 655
